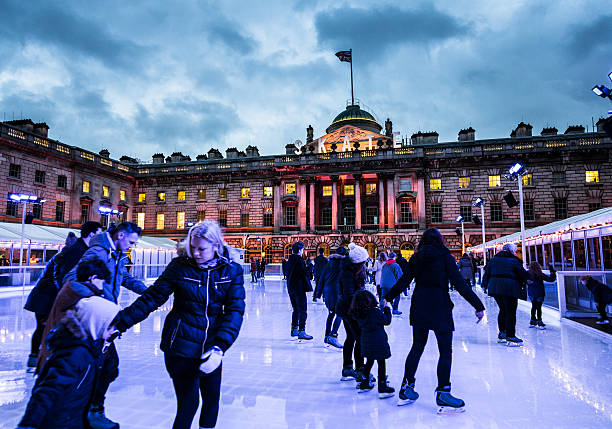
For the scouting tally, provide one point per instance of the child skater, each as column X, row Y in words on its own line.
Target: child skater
column 374, row 341
column 535, row 290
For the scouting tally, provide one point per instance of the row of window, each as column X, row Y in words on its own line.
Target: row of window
column 86, row 188
column 558, row 178
column 40, row 176
column 160, row 221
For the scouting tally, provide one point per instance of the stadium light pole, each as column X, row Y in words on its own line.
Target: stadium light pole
column 481, row 203
column 460, row 220
column 516, row 172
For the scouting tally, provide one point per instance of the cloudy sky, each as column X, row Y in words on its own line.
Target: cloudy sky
column 141, row 77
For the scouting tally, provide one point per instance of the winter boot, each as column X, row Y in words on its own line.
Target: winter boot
column 365, row 386
column 501, row 337
column 294, row 333
column 302, row 335
column 98, row 420
column 348, row 373
column 332, row 340
column 447, row 403
column 533, row 323
column 407, row 394
column 396, row 312
column 541, row 325
column 514, row 342
column 384, row 390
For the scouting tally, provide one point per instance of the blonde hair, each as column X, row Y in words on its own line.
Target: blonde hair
column 210, row 231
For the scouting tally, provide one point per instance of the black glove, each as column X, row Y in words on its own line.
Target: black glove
column 551, row 268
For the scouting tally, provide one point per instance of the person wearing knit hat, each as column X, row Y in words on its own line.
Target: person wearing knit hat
column 357, row 253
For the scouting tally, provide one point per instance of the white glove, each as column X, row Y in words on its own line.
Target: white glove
column 211, row 360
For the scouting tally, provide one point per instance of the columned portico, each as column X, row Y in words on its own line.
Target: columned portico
column 278, row 209
column 312, row 205
column 357, row 201
column 381, row 202
column 334, row 203
column 302, row 206
column 390, row 203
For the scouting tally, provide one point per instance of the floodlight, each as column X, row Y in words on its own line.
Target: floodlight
column 610, row 75
column 42, row 201
column 517, row 169
column 597, row 90
column 479, row 202
column 14, row 197
column 459, row 219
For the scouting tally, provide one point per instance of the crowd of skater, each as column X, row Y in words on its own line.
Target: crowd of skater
column 78, row 317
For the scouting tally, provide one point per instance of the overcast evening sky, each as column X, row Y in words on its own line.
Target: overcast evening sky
column 142, row 77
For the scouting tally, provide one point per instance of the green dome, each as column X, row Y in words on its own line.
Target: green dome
column 352, row 113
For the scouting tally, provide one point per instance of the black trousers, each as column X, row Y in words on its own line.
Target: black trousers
column 445, row 348
column 382, row 369
column 333, row 323
column 506, row 319
column 108, row 372
column 536, row 308
column 601, row 309
column 352, row 344
column 41, row 319
column 189, row 384
column 298, row 303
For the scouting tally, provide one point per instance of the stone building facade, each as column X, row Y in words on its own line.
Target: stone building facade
column 353, row 183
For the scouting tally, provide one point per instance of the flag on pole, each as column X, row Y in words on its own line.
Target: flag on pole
column 345, row 56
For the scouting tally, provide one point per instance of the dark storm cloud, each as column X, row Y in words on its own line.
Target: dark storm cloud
column 187, row 123
column 593, row 37
column 372, row 31
column 229, row 36
column 48, row 25
column 28, row 105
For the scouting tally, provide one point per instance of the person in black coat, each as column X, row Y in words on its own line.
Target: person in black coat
column 374, row 341
column 42, row 296
column 504, row 279
column 319, row 265
column 536, row 291
column 330, row 285
column 208, row 286
column 63, row 390
column 431, row 309
column 352, row 279
column 298, row 283
column 602, row 295
column 403, row 263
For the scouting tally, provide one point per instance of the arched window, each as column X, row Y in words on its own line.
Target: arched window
column 407, row 249
column 371, row 248
column 325, row 248
column 287, row 251
column 267, row 254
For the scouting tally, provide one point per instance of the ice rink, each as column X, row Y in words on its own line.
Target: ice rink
column 561, row 378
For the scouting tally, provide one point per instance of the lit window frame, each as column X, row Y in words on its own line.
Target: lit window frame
column 160, row 219
column 161, row 196
column 86, row 186
column 349, row 189
column 326, row 191
column 268, row 191
column 245, row 192
column 494, row 181
column 105, row 191
column 290, row 189
column 223, row 193
column 591, row 176
column 122, row 195
column 527, row 179
column 140, row 220
column 181, row 195
column 180, row 220
column 464, row 182
column 435, row 184
column 142, row 197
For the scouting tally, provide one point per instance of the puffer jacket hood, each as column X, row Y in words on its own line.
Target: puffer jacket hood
column 68, row 332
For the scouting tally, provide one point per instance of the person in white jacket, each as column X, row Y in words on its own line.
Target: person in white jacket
column 381, row 260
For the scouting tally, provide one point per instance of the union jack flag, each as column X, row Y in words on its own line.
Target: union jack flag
column 345, row 56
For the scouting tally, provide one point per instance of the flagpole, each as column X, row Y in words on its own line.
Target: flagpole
column 352, row 95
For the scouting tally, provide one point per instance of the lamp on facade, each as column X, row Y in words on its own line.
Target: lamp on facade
column 479, row 202
column 461, row 220
column 108, row 212
column 516, row 172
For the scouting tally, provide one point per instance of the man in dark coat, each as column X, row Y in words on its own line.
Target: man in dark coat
column 43, row 295
column 319, row 265
column 505, row 279
column 298, row 284
column 403, row 263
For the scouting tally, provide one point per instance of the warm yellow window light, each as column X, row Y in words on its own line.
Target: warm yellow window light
column 268, row 191
column 592, row 176
column 245, row 192
column 180, row 196
column 86, row 186
column 327, row 191
column 290, row 188
column 494, row 181
column 435, row 183
column 464, row 182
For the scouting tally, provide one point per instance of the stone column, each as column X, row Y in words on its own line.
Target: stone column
column 278, row 209
column 334, row 203
column 381, row 202
column 312, row 205
column 420, row 200
column 357, row 201
column 302, row 206
column 390, row 203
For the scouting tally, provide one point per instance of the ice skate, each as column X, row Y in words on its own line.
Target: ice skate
column 348, row 374
column 407, row 394
column 303, row 336
column 396, row 312
column 533, row 323
column 359, row 377
column 384, row 390
column 501, row 337
column 365, row 386
column 98, row 420
column 294, row 333
column 541, row 325
column 447, row 403
column 32, row 359
column 332, row 341
column 601, row 321
column 514, row 342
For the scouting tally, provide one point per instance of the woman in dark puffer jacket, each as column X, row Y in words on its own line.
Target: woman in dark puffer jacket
column 208, row 287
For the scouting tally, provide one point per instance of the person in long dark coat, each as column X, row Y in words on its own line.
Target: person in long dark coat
column 466, row 268
column 374, row 341
column 504, row 278
column 330, row 284
column 298, row 284
column 433, row 267
column 319, row 265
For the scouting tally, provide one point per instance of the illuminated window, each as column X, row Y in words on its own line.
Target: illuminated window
column 202, row 194
column 142, row 197
column 464, row 182
column 245, row 192
column 180, row 220
column 290, row 189
column 122, row 196
column 527, row 180
column 327, row 191
column 494, row 181
column 105, row 191
column 86, row 186
column 140, row 220
column 160, row 221
column 592, row 176
column 349, row 189
column 222, row 193
column 180, row 196
column 268, row 191
column 370, row 188
column 435, row 183
column 161, row 196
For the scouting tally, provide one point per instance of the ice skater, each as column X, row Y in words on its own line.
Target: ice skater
column 330, row 285
column 537, row 293
column 374, row 341
column 602, row 295
column 431, row 309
